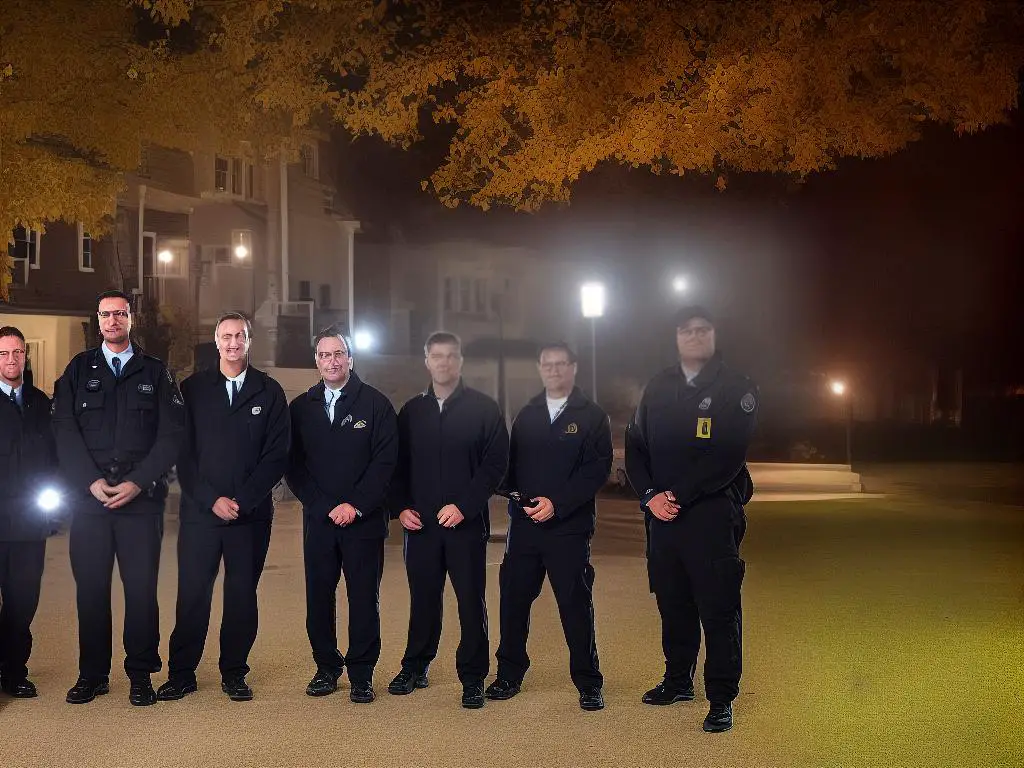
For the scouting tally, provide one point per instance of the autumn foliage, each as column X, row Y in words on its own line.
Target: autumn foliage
column 534, row 93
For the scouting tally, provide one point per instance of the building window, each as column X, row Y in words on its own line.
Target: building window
column 328, row 200
column 310, row 161
column 172, row 256
column 449, row 294
column 221, row 174
column 236, row 176
column 25, row 247
column 250, row 181
column 305, row 291
column 84, row 250
column 144, row 161
column 480, row 296
column 325, row 296
column 465, row 292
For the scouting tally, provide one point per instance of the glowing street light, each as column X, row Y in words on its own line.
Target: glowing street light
column 680, row 284
column 241, row 252
column 166, row 256
column 839, row 389
column 592, row 301
column 363, row 340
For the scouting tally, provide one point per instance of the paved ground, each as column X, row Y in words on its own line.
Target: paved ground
column 877, row 633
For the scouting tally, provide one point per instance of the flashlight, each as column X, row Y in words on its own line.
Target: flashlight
column 48, row 500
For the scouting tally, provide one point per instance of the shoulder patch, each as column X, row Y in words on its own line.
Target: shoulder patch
column 748, row 402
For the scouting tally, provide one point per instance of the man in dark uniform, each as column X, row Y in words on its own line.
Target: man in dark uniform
column 118, row 419
column 344, row 451
column 235, row 452
column 560, row 457
column 28, row 504
column 453, row 452
column 686, row 459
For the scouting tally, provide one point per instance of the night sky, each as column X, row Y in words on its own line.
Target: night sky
column 916, row 256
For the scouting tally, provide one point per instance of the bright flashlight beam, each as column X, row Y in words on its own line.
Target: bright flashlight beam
column 679, row 285
column 48, row 500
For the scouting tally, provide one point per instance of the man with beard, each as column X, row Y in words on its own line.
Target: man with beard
column 453, row 451
column 686, row 459
column 235, row 452
column 118, row 419
column 560, row 457
column 28, row 469
column 344, row 451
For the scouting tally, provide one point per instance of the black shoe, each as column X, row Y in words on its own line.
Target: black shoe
column 19, row 689
column 323, row 684
column 237, row 689
column 665, row 693
column 176, row 688
column 473, row 695
column 141, row 693
column 502, row 690
column 86, row 689
column 362, row 693
column 407, row 681
column 719, row 718
column 591, row 699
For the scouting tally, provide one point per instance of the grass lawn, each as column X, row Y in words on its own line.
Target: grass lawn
column 893, row 630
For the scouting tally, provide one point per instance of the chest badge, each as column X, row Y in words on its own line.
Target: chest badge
column 257, row 410
column 146, row 389
column 704, row 404
column 346, row 420
column 748, row 403
column 359, row 425
column 572, row 429
column 704, row 429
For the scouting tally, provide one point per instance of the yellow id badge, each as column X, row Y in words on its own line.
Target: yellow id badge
column 704, row 428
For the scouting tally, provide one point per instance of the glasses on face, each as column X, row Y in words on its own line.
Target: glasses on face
column 14, row 354
column 438, row 357
column 325, row 356
column 700, row 331
column 121, row 314
column 559, row 365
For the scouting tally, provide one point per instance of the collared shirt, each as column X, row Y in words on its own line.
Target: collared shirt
column 240, row 378
column 690, row 375
column 19, row 394
column 124, row 356
column 331, row 398
column 556, row 406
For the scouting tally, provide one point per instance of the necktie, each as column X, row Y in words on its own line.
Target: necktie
column 14, row 399
column 117, row 367
column 328, row 402
column 234, row 392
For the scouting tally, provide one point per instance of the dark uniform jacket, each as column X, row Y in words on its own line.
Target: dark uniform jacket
column 349, row 461
column 567, row 460
column 28, row 465
column 692, row 439
column 238, row 451
column 127, row 428
column 457, row 455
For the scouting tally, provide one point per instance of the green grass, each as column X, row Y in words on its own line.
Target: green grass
column 893, row 630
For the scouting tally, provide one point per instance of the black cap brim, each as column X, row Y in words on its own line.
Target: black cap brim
column 686, row 314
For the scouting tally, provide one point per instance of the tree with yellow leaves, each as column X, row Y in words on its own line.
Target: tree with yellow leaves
column 536, row 93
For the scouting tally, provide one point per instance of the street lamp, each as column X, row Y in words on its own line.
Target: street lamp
column 166, row 256
column 363, row 341
column 680, row 284
column 592, row 303
column 839, row 389
column 241, row 239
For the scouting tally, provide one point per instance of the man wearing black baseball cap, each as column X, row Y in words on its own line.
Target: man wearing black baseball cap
column 686, row 458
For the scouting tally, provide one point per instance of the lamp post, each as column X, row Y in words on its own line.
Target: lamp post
column 592, row 301
column 242, row 242
column 839, row 389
